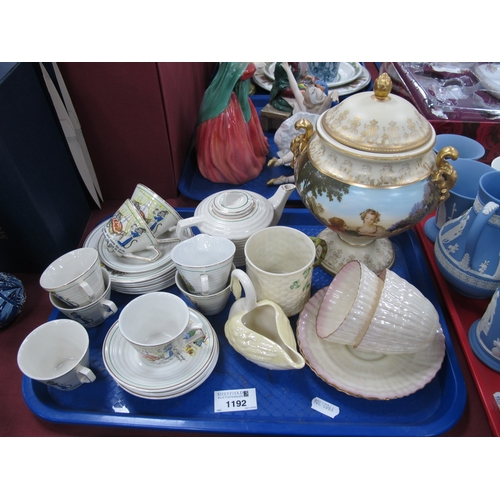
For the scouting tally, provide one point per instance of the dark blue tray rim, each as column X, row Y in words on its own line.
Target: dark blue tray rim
column 35, row 396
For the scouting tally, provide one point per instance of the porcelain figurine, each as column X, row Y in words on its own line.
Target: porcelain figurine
column 368, row 171
column 230, row 144
column 281, row 91
column 308, row 102
column 260, row 331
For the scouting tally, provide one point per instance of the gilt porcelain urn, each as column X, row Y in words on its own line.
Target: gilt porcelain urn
column 367, row 171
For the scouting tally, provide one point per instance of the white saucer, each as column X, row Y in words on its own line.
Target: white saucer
column 129, row 369
column 138, row 288
column 127, row 265
column 360, row 83
column 348, row 72
column 133, row 280
column 94, row 240
column 175, row 393
column 379, row 377
column 489, row 74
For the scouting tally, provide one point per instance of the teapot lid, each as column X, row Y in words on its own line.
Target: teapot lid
column 233, row 204
column 377, row 122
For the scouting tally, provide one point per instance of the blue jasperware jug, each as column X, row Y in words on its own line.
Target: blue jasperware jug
column 467, row 248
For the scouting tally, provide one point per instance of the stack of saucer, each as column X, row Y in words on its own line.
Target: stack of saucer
column 134, row 276
column 182, row 374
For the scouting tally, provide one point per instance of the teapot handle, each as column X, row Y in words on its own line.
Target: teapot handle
column 477, row 228
column 183, row 224
column 445, row 177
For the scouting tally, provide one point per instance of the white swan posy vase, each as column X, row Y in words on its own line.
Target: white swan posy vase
column 260, row 331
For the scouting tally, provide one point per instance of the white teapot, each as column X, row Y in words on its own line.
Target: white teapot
column 236, row 214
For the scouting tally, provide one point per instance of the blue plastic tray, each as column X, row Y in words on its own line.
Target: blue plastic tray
column 283, row 397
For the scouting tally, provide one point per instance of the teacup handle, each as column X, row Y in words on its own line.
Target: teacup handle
column 197, row 336
column 319, row 242
column 147, row 259
column 85, row 375
column 110, row 306
column 168, row 240
column 183, row 224
column 204, row 284
column 87, row 289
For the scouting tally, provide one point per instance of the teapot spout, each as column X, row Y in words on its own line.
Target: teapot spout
column 279, row 199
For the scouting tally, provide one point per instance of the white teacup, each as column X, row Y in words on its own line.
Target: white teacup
column 208, row 304
column 159, row 215
column 127, row 234
column 280, row 262
column 75, row 278
column 57, row 354
column 157, row 326
column 204, row 263
column 92, row 314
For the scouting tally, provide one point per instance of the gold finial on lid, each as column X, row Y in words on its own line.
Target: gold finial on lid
column 382, row 87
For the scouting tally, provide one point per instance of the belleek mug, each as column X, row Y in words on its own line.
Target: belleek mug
column 92, row 314
column 75, row 278
column 159, row 215
column 57, row 354
column 157, row 325
column 204, row 262
column 461, row 197
column 127, row 234
column 280, row 262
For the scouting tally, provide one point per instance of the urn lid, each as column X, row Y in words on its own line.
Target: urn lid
column 377, row 122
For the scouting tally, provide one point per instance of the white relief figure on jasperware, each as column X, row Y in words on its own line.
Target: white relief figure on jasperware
column 464, row 263
column 496, row 350
column 455, row 231
column 496, row 276
column 485, row 322
column 484, row 266
column 453, row 210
